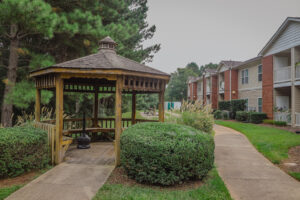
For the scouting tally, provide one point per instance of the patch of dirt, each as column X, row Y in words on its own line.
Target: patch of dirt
column 119, row 176
column 22, row 179
column 292, row 164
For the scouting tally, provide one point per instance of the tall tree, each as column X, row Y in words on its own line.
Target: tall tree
column 18, row 19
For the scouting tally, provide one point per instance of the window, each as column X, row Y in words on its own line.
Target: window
column 259, row 72
column 245, row 76
column 259, row 103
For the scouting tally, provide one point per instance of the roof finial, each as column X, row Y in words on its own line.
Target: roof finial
column 107, row 43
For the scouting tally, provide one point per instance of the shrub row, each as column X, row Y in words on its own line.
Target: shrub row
column 166, row 154
column 273, row 122
column 22, row 149
column 221, row 114
column 253, row 117
column 233, row 106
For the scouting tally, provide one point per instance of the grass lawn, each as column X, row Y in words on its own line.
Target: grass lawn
column 6, row 191
column 212, row 189
column 273, row 143
column 24, row 179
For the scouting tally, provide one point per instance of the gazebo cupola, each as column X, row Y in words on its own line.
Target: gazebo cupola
column 107, row 43
column 102, row 72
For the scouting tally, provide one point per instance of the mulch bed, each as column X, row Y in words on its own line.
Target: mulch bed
column 19, row 180
column 118, row 176
column 292, row 164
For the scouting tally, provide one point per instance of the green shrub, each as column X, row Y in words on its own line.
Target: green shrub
column 166, row 154
column 273, row 122
column 242, row 116
column 22, row 149
column 218, row 114
column 268, row 121
column 225, row 114
column 224, row 105
column 280, row 123
column 257, row 117
column 198, row 120
column 237, row 105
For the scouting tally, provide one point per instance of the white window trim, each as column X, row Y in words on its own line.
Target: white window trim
column 259, row 73
column 258, row 103
column 243, row 83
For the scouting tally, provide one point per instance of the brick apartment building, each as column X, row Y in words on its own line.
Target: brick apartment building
column 269, row 82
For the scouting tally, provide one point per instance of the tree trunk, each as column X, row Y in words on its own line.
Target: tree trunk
column 7, row 107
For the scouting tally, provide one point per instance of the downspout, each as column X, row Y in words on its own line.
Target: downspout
column 230, row 84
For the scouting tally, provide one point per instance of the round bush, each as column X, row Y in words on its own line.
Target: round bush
column 166, row 154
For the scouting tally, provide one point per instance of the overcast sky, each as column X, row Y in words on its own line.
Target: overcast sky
column 206, row 31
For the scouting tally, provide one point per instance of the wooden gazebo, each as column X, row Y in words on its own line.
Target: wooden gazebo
column 103, row 72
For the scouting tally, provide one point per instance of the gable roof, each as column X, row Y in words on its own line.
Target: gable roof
column 278, row 32
column 228, row 64
column 250, row 61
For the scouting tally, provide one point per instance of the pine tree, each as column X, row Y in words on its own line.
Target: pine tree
column 20, row 18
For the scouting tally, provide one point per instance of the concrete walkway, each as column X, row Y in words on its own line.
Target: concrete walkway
column 246, row 173
column 78, row 178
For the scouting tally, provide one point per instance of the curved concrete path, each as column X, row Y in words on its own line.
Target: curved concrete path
column 248, row 174
column 78, row 178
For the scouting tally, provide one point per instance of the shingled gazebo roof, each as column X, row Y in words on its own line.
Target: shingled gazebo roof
column 105, row 59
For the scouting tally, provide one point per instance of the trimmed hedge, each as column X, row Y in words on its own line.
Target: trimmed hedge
column 242, row 116
column 273, row 122
column 166, row 154
column 224, row 105
column 257, row 117
column 233, row 106
column 218, row 114
column 22, row 149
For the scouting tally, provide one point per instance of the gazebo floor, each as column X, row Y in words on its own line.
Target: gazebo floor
column 100, row 153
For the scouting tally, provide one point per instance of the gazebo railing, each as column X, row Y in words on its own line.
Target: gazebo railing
column 50, row 128
column 105, row 123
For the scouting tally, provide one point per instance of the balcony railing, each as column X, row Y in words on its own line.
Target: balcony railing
column 297, row 72
column 221, row 86
column 283, row 74
column 282, row 116
column 297, row 117
column 207, row 89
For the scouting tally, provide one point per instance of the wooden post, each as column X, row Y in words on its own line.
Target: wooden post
column 59, row 119
column 118, row 118
column 133, row 109
column 38, row 105
column 161, row 109
column 96, row 107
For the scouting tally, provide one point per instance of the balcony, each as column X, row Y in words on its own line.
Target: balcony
column 208, row 90
column 221, row 87
column 282, row 74
column 297, row 118
column 297, row 72
column 283, row 116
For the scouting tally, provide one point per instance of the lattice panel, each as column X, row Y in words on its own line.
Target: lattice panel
column 45, row 82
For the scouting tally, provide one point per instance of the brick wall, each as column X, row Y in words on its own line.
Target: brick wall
column 234, row 84
column 214, row 92
column 194, row 91
column 227, row 85
column 267, row 85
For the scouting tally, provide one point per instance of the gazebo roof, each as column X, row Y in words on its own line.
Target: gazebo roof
column 105, row 59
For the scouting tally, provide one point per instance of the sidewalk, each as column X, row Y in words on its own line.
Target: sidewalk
column 79, row 178
column 248, row 174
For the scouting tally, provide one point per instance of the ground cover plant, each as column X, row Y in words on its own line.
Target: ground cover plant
column 165, row 153
column 22, row 149
column 273, row 143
